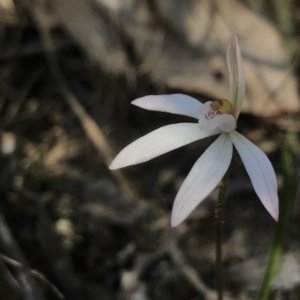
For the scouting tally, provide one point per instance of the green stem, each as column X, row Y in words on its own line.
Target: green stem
column 286, row 25
column 276, row 246
column 219, row 234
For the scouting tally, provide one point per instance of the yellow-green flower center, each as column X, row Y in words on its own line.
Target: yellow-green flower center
column 221, row 107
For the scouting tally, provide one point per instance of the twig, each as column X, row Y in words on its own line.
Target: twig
column 189, row 272
column 10, row 279
column 90, row 127
column 35, row 273
column 29, row 289
column 142, row 262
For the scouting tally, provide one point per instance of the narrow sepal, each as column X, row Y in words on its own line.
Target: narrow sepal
column 236, row 75
column 175, row 104
column 158, row 142
column 205, row 175
column 260, row 171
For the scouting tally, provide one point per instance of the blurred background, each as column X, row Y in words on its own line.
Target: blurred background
column 71, row 228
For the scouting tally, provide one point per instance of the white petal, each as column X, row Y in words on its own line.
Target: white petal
column 208, row 120
column 158, row 142
column 175, row 104
column 236, row 75
column 260, row 171
column 203, row 178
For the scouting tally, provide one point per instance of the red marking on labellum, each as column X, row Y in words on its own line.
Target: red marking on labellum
column 211, row 114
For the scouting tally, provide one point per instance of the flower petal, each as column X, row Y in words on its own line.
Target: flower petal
column 236, row 75
column 260, row 171
column 175, row 104
column 203, row 178
column 158, row 142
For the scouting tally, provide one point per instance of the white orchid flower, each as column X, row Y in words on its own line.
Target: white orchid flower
column 218, row 117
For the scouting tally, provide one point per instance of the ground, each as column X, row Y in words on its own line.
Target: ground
column 81, row 231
